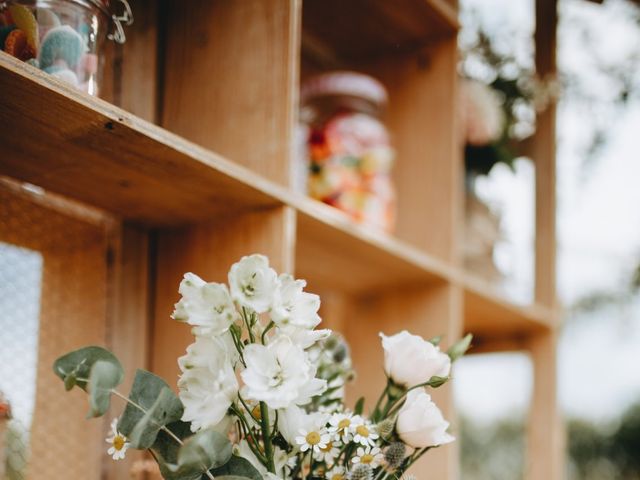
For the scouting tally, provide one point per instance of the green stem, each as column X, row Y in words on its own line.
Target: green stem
column 249, row 433
column 269, row 327
column 266, row 437
column 248, row 324
column 382, row 396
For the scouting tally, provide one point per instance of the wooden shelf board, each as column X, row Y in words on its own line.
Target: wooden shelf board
column 80, row 146
column 91, row 151
column 496, row 321
column 334, row 252
column 357, row 30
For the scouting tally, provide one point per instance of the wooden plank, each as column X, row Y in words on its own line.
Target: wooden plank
column 209, row 251
column 231, row 79
column 366, row 29
column 111, row 159
column 128, row 320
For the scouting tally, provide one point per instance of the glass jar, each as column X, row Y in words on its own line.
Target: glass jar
column 62, row 37
column 348, row 155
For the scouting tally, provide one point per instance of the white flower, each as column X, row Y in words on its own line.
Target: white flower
column 208, row 384
column 118, row 442
column 420, row 423
column 328, row 453
column 410, row 360
column 280, row 374
column 243, row 450
column 371, row 456
column 313, row 439
column 363, row 431
column 206, row 306
column 293, row 419
column 304, row 338
column 253, row 283
column 336, row 473
column 483, row 118
column 341, row 426
column 293, row 306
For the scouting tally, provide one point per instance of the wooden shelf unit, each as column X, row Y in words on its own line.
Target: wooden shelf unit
column 203, row 179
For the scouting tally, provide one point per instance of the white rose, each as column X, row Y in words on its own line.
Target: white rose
column 280, row 374
column 410, row 360
column 206, row 306
column 293, row 306
column 253, row 283
column 420, row 423
column 208, row 384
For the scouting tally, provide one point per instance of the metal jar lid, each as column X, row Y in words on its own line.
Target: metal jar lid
column 108, row 8
column 344, row 83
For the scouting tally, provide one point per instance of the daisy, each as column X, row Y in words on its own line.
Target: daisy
column 118, row 442
column 368, row 456
column 327, row 454
column 341, row 426
column 315, row 440
column 363, row 432
column 336, row 473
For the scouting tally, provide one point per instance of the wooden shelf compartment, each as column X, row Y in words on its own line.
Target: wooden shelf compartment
column 112, row 160
column 335, row 31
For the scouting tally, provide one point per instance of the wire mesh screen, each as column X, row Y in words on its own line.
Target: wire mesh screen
column 53, row 298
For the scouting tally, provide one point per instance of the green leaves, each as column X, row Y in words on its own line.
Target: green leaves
column 237, row 468
column 459, row 348
column 358, row 409
column 152, row 406
column 95, row 370
column 203, row 451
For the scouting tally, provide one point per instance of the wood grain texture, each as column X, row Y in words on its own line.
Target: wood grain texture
column 209, row 251
column 365, row 29
column 231, row 79
column 111, row 159
column 422, row 116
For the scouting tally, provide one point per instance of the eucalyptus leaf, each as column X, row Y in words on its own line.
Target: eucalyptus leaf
column 74, row 368
column 104, row 377
column 237, row 467
column 152, row 405
column 203, row 451
column 459, row 348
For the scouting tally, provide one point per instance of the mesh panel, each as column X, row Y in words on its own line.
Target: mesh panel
column 53, row 289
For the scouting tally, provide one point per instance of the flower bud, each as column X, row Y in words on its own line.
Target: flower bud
column 385, row 427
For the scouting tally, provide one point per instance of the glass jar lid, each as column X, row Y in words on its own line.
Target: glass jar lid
column 344, row 83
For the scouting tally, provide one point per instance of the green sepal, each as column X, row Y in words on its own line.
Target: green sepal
column 161, row 406
column 459, row 348
column 435, row 341
column 436, row 381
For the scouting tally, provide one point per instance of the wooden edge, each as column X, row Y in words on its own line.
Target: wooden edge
column 447, row 12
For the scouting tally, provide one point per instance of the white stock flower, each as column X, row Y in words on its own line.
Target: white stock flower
column 243, row 450
column 410, row 360
column 305, row 338
column 420, row 422
column 206, row 306
column 279, row 374
column 253, row 283
column 118, row 442
column 208, row 384
column 293, row 306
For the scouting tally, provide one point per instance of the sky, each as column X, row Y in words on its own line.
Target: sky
column 598, row 234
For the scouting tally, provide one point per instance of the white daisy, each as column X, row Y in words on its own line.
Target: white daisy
column 328, row 454
column 336, row 473
column 118, row 442
column 315, row 439
column 371, row 456
column 341, row 426
column 363, row 431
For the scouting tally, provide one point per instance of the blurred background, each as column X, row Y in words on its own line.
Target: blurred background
column 598, row 120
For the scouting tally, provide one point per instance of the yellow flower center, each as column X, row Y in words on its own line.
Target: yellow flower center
column 257, row 414
column 337, row 476
column 313, row 438
column 366, row 458
column 328, row 447
column 118, row 442
column 362, row 430
column 344, row 423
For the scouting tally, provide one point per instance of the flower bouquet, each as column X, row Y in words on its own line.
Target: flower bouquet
column 261, row 391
